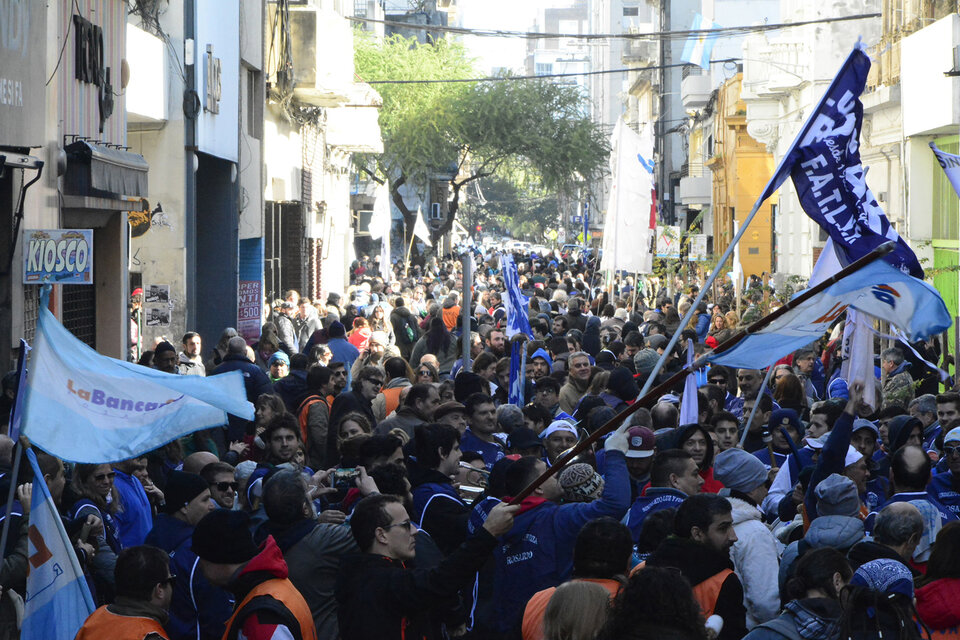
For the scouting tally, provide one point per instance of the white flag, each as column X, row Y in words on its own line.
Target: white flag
column 627, row 228
column 420, row 229
column 950, row 164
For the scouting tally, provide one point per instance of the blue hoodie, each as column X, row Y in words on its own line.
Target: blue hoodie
column 538, row 551
column 541, row 353
column 191, row 591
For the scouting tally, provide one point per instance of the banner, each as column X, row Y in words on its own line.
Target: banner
column 668, row 241
column 950, row 165
column 699, row 46
column 878, row 289
column 250, row 289
column 84, row 407
column 516, row 304
column 627, row 245
column 58, row 600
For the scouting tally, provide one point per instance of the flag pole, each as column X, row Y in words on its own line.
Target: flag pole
column 466, row 269
column 14, row 474
column 756, row 405
column 648, row 396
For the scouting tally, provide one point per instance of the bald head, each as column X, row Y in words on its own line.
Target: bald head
column 664, row 416
column 910, row 469
column 899, row 526
column 197, row 461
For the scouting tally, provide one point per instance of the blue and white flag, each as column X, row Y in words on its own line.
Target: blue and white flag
column 699, row 46
column 902, row 300
column 518, row 363
column 951, row 166
column 690, row 404
column 824, row 162
column 84, row 407
column 58, row 600
column 16, row 412
column 516, row 303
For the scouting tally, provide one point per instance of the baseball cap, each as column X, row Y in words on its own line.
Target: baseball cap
column 861, row 423
column 640, row 441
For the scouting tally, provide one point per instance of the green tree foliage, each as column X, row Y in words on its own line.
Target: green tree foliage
column 534, row 129
column 507, row 208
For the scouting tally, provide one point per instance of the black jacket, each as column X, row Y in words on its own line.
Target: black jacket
column 346, row 402
column 698, row 562
column 255, row 382
column 446, row 518
column 378, row 597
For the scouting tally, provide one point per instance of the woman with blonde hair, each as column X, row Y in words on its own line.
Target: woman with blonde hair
column 576, row 611
column 94, row 495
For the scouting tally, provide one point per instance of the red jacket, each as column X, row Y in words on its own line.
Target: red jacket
column 710, row 484
column 937, row 603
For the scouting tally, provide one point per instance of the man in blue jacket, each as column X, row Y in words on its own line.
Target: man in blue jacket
column 437, row 507
column 255, row 381
column 538, row 551
column 674, row 476
column 198, row 609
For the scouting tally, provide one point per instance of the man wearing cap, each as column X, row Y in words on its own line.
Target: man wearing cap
column 524, row 442
column 674, row 476
column 640, row 449
column 267, row 604
column 452, row 413
column 196, row 603
column 945, row 487
column 785, row 428
column 286, row 330
column 755, row 554
column 559, row 436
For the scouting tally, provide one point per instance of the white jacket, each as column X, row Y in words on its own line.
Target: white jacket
column 756, row 558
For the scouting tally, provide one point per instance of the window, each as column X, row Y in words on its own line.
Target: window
column 631, row 12
column 543, row 68
column 254, row 104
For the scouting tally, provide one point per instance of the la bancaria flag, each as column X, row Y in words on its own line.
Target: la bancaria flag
column 58, row 599
column 85, row 407
column 878, row 289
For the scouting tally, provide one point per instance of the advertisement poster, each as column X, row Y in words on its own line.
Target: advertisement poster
column 58, row 256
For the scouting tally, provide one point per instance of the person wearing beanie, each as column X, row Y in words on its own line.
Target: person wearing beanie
column 267, row 603
column 165, row 358
column 755, row 554
column 787, row 431
column 195, row 603
column 580, row 483
column 559, row 436
column 621, row 391
column 945, row 487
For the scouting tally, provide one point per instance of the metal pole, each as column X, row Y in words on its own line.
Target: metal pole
column 17, row 454
column 756, row 405
column 647, row 396
column 466, row 310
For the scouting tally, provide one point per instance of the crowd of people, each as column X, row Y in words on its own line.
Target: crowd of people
column 370, row 497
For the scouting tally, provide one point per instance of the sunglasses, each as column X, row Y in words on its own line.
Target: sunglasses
column 223, row 486
column 375, row 382
column 951, row 451
column 425, row 372
column 100, row 477
column 170, row 579
column 406, row 524
column 717, row 381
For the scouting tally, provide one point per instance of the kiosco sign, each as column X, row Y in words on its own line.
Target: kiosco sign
column 58, row 256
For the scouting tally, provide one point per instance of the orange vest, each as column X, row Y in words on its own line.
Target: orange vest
column 105, row 624
column 303, row 414
column 450, row 317
column 953, row 633
column 283, row 591
column 391, row 400
column 536, row 608
column 706, row 592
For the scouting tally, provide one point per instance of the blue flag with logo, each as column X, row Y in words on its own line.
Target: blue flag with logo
column 85, row 407
column 516, row 303
column 517, row 372
column 879, row 289
column 58, row 599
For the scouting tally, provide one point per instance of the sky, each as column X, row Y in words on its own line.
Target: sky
column 513, row 15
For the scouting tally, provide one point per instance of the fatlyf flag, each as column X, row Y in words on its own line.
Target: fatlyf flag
column 85, row 407
column 420, row 229
column 58, row 599
column 951, row 166
column 830, row 180
column 628, row 235
column 699, row 46
column 877, row 289
column 516, row 303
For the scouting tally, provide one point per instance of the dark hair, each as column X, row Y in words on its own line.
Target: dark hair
column 437, row 337
column 537, row 414
column 654, row 597
column 139, row 570
column 633, row 339
column 396, row 368
column 563, row 320
column 699, row 511
column 789, row 392
column 475, row 400
column 720, row 371
column 945, row 558
column 318, row 376
column 667, row 463
column 865, row 610
column 284, row 496
column 520, row 474
column 764, row 401
column 417, row 393
column 602, row 550
column 468, row 457
column 716, row 393
column 391, row 479
column 369, row 515
column 908, row 477
column 482, row 361
column 558, row 345
column 830, row 409
column 547, row 383
column 285, row 420
column 299, row 362
column 379, row 446
column 365, row 373
column 815, row 570
column 433, row 440
column 210, row 470
column 722, row 416
column 189, row 335
column 656, row 528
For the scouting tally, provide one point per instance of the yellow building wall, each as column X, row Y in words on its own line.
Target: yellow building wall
column 741, row 169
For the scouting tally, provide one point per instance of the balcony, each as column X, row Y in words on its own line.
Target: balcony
column 695, row 190
column 695, row 92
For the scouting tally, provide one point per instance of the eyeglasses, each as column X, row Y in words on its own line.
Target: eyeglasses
column 100, row 477
column 223, row 486
column 375, row 382
column 406, row 524
column 425, row 372
column 169, row 579
column 951, row 451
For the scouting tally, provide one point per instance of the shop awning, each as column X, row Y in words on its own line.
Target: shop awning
column 104, row 171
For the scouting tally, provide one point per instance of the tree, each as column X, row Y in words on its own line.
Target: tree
column 507, row 207
column 471, row 130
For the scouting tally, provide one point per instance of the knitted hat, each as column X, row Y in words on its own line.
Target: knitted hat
column 645, row 361
column 657, row 341
column 523, row 438
column 640, row 442
column 336, row 330
column 885, row 576
column 164, row 346
column 837, row 496
column 739, row 470
column 622, row 384
column 181, row 489
column 467, row 383
column 580, row 483
column 785, row 418
column 223, row 537
column 278, row 356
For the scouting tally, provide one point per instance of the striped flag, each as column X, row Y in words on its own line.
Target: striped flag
column 699, row 46
column 516, row 303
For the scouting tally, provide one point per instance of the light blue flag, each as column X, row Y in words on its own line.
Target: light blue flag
column 690, row 405
column 699, row 46
column 518, row 361
column 515, row 302
column 58, row 599
column 910, row 304
column 16, row 413
column 84, row 407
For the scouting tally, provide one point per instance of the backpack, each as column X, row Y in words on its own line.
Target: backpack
column 303, row 413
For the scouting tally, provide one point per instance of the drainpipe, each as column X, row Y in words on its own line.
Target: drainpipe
column 191, row 110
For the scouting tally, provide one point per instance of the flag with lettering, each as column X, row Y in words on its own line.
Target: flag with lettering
column 878, row 289
column 57, row 599
column 518, row 361
column 950, row 164
column 85, row 407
